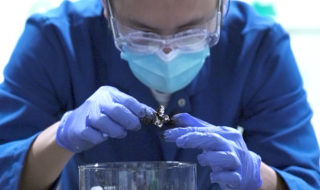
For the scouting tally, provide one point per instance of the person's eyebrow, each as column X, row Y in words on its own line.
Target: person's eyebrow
column 144, row 27
column 193, row 22
column 141, row 26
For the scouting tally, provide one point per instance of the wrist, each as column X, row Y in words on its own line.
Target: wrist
column 49, row 136
column 271, row 180
column 44, row 155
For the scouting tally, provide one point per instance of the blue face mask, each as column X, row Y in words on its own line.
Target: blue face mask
column 166, row 75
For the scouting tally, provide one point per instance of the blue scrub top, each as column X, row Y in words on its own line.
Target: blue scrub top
column 251, row 80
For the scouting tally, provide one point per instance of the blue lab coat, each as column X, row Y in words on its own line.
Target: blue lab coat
column 251, row 80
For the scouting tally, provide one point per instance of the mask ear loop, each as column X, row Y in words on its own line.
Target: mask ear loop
column 224, row 8
column 112, row 24
column 228, row 7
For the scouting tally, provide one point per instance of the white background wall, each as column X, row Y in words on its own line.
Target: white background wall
column 300, row 18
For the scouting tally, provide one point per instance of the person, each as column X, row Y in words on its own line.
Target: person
column 84, row 75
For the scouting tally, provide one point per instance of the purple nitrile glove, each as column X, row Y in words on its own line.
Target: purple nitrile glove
column 224, row 151
column 107, row 113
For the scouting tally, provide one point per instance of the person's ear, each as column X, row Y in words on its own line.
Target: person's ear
column 105, row 12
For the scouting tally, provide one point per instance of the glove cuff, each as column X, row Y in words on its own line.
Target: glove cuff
column 256, row 160
column 61, row 139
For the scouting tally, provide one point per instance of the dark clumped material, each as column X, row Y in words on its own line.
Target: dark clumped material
column 158, row 118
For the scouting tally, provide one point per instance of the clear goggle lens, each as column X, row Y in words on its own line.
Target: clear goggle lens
column 188, row 41
column 143, row 42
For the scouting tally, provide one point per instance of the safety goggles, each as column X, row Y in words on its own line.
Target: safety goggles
column 188, row 41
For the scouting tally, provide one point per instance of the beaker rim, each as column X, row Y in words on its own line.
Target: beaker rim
column 147, row 165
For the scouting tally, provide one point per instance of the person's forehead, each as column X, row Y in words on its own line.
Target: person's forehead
column 163, row 14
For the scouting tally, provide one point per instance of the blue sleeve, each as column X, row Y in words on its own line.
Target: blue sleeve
column 29, row 99
column 276, row 116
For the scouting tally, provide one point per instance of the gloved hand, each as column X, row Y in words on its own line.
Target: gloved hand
column 224, row 150
column 107, row 113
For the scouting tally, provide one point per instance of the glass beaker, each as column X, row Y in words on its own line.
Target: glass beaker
column 153, row 175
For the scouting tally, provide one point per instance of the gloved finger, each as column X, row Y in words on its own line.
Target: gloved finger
column 121, row 115
column 205, row 141
column 93, row 136
column 231, row 179
column 104, row 124
column 171, row 135
column 174, row 133
column 139, row 109
column 185, row 119
column 227, row 187
column 219, row 159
